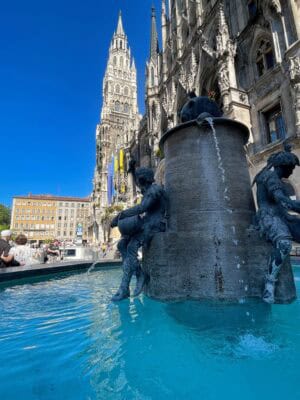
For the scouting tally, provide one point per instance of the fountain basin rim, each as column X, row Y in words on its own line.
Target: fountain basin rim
column 216, row 120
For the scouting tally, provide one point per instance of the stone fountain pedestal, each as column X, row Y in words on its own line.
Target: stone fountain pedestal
column 209, row 250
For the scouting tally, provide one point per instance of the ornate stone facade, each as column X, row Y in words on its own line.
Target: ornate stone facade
column 244, row 53
column 116, row 130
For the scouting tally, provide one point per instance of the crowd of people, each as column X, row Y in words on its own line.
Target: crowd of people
column 19, row 252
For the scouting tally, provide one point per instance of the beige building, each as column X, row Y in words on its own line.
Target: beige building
column 44, row 217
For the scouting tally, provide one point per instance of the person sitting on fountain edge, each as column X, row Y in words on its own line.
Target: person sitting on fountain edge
column 137, row 226
column 273, row 218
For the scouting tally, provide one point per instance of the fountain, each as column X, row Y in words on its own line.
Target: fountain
column 209, row 249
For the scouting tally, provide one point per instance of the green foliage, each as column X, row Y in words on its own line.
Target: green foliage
column 4, row 217
column 110, row 211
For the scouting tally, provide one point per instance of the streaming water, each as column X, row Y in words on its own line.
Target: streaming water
column 225, row 192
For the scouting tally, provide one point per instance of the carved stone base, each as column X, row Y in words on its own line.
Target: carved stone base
column 185, row 266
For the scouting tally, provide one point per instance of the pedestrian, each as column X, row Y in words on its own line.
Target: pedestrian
column 6, row 260
column 22, row 253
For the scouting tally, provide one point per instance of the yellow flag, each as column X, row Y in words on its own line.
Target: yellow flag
column 116, row 166
column 121, row 160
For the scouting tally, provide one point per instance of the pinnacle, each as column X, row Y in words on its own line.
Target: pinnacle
column 120, row 29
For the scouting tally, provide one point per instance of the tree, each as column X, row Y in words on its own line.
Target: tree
column 4, row 217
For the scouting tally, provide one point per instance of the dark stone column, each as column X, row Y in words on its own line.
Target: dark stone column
column 208, row 250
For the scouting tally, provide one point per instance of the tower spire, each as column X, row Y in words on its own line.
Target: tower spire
column 120, row 29
column 154, row 37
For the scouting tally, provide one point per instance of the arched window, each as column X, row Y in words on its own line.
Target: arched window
column 121, row 44
column 126, row 91
column 264, row 57
column 117, row 106
column 126, row 108
column 275, row 124
column 153, row 111
column 152, row 76
column 252, row 8
column 115, row 60
column 118, row 89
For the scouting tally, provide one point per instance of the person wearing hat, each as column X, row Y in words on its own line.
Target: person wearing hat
column 273, row 218
column 5, row 258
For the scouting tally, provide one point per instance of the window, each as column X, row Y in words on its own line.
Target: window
column 121, row 61
column 275, row 124
column 126, row 91
column 121, row 44
column 264, row 57
column 126, row 108
column 252, row 8
column 115, row 60
column 152, row 76
column 117, row 106
column 118, row 89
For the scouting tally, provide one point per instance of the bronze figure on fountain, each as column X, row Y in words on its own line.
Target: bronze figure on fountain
column 137, row 226
column 273, row 217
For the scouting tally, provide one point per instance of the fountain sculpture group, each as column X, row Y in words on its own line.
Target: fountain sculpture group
column 200, row 233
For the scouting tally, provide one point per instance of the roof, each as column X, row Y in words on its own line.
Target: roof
column 51, row 197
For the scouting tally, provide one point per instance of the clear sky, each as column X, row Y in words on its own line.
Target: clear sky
column 53, row 55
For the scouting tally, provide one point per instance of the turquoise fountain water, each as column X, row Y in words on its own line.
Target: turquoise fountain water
column 63, row 339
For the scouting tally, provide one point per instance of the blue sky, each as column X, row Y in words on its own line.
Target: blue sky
column 53, row 55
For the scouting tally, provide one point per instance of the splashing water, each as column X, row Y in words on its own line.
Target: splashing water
column 255, row 347
column 140, row 348
column 92, row 267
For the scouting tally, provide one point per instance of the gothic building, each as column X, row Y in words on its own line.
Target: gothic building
column 243, row 53
column 116, row 130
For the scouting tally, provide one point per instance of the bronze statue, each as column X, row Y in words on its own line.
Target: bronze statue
column 199, row 105
column 137, row 226
column 273, row 218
